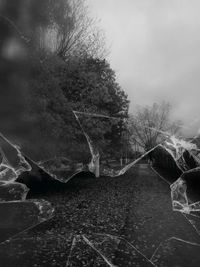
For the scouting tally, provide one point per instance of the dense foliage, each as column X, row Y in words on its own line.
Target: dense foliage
column 55, row 64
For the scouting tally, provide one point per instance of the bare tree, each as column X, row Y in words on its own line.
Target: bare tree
column 63, row 27
column 72, row 31
column 150, row 125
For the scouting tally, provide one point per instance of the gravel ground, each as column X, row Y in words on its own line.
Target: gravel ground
column 135, row 206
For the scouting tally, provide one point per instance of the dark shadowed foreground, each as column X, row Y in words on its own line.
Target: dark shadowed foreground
column 123, row 221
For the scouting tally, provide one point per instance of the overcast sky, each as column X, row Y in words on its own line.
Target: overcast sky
column 155, row 51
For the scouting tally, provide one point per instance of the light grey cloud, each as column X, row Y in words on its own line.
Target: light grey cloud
column 155, row 51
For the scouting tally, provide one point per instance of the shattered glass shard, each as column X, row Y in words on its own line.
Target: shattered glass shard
column 7, row 174
column 127, row 167
column 97, row 142
column 176, row 147
column 110, row 156
column 100, row 145
column 70, row 143
column 61, row 167
column 18, row 216
column 182, row 151
column 36, row 176
column 82, row 254
column 190, row 160
column 104, row 250
column 60, row 154
column 11, row 159
column 45, row 209
column 186, row 167
column 186, row 154
column 194, row 220
column 185, row 192
column 179, row 197
column 57, row 169
column 162, row 160
column 13, row 191
column 173, row 252
column 192, row 180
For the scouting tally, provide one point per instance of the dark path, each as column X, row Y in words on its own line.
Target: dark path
column 150, row 219
column 136, row 206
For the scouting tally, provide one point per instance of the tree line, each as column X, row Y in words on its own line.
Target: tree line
column 53, row 58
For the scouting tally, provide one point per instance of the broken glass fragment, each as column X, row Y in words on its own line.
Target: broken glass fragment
column 190, row 159
column 192, row 180
column 98, row 129
column 182, row 151
column 12, row 191
column 164, row 163
column 173, row 251
column 112, row 154
column 104, row 250
column 60, row 155
column 178, row 195
column 179, row 152
column 17, row 216
column 62, row 167
column 186, row 186
column 127, row 167
column 105, row 151
column 7, row 174
column 12, row 162
column 37, row 176
column 185, row 192
column 194, row 219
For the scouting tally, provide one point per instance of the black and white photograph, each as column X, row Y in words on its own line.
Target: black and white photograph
column 99, row 133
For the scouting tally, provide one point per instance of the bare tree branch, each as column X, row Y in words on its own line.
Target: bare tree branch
column 146, row 126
